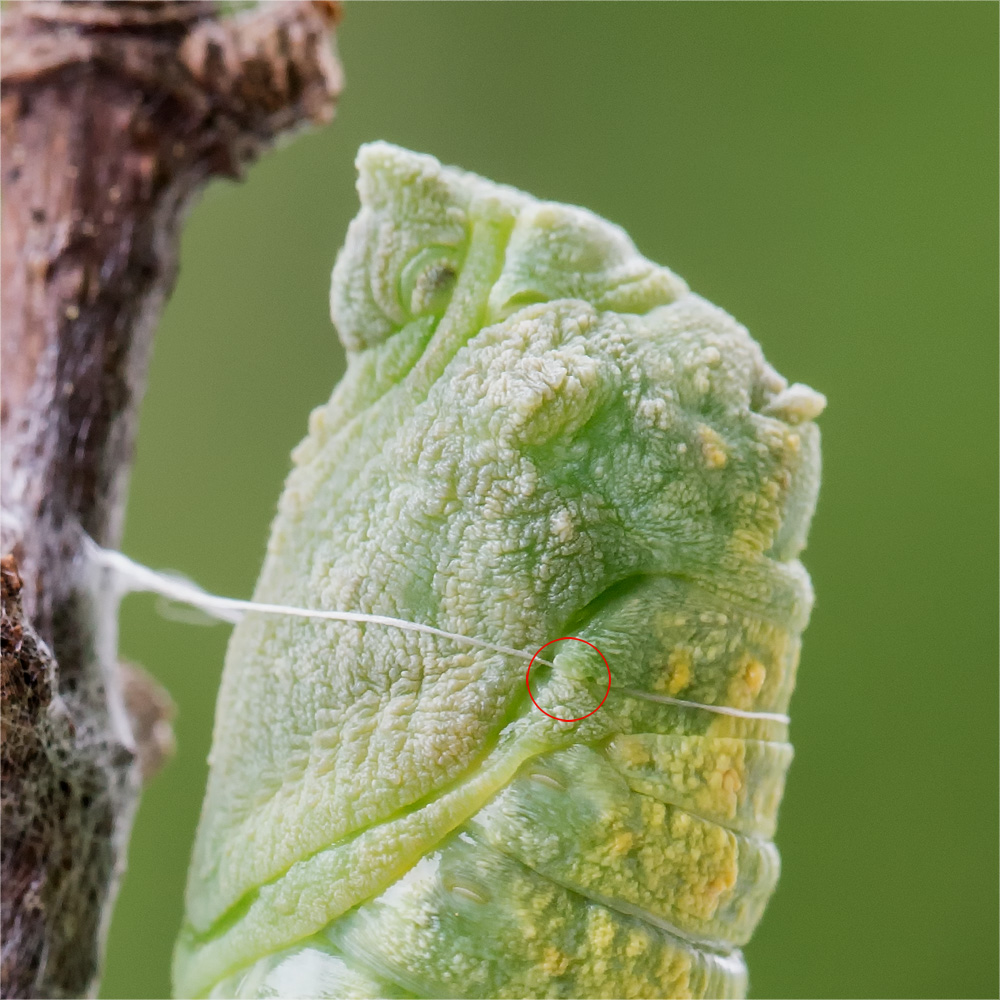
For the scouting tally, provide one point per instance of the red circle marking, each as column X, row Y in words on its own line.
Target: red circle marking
column 527, row 679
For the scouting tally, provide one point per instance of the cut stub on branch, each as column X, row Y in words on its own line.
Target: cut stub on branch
column 114, row 115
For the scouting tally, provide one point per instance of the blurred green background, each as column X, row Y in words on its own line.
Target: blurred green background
column 827, row 173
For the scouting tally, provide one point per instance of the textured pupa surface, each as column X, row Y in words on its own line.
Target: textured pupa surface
column 540, row 433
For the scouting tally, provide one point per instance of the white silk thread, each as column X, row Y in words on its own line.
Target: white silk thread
column 133, row 577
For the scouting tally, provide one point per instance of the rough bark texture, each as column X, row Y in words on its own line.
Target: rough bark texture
column 113, row 116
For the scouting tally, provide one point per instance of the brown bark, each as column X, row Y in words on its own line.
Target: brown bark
column 113, row 116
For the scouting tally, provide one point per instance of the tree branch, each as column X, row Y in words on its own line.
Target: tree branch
column 113, row 116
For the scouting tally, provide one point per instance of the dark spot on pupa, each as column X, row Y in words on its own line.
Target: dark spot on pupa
column 438, row 278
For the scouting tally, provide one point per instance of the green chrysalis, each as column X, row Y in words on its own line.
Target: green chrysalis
column 540, row 434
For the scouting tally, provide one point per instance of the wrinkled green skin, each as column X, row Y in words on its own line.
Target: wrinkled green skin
column 540, row 433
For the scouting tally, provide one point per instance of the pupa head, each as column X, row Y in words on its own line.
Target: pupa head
column 407, row 247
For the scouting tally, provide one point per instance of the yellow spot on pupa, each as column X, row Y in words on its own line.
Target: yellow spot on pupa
column 632, row 752
column 713, row 448
column 554, row 962
column 657, row 815
column 754, row 674
column 678, row 674
column 622, row 843
column 721, row 883
column 637, row 945
column 601, row 931
column 746, row 682
column 680, row 823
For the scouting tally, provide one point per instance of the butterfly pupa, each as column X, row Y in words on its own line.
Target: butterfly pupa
column 540, row 434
